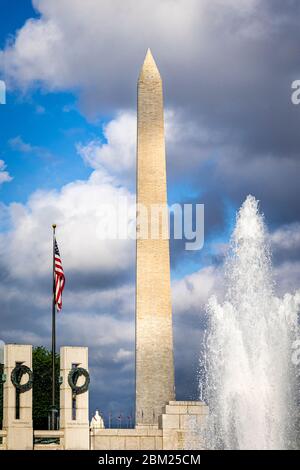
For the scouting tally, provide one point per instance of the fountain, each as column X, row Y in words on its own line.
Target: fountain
column 250, row 378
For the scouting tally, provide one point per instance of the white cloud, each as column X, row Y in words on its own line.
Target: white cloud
column 118, row 153
column 286, row 237
column 118, row 299
column 98, row 301
column 287, row 277
column 66, row 46
column 96, row 48
column 77, row 211
column 33, row 56
column 285, row 244
column 40, row 51
column 100, row 331
column 191, row 293
column 122, row 355
column 22, row 336
column 18, row 145
column 98, row 311
column 4, row 175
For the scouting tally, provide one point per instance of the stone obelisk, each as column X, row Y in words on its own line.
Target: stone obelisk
column 154, row 338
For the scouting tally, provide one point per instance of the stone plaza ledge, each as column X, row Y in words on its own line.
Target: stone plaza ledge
column 180, row 426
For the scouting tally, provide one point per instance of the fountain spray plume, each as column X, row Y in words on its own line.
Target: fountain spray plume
column 251, row 380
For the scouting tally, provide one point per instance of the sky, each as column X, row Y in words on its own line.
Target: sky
column 67, row 144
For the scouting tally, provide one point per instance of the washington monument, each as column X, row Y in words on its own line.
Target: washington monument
column 154, row 337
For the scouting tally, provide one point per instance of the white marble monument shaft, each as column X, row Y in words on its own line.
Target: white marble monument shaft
column 154, row 339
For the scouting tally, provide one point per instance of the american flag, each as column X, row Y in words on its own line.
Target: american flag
column 59, row 277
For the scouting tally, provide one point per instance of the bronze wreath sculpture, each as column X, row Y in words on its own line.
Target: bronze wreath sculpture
column 73, row 377
column 16, row 377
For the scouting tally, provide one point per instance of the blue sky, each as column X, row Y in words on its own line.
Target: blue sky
column 9, row 22
column 50, row 122
column 51, row 125
column 67, row 138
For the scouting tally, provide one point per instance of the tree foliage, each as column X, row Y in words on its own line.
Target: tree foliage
column 42, row 387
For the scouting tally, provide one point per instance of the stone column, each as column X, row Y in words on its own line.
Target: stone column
column 19, row 430
column 75, row 428
column 183, row 425
column 154, row 339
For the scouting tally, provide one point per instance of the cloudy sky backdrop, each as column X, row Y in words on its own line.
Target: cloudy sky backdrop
column 67, row 144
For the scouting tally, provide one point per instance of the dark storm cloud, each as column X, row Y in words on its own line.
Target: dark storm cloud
column 241, row 84
column 187, row 359
column 285, row 244
column 244, row 93
column 98, row 280
column 227, row 69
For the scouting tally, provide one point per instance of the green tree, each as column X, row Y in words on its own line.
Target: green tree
column 42, row 385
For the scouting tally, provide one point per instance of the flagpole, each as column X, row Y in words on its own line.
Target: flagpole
column 53, row 407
